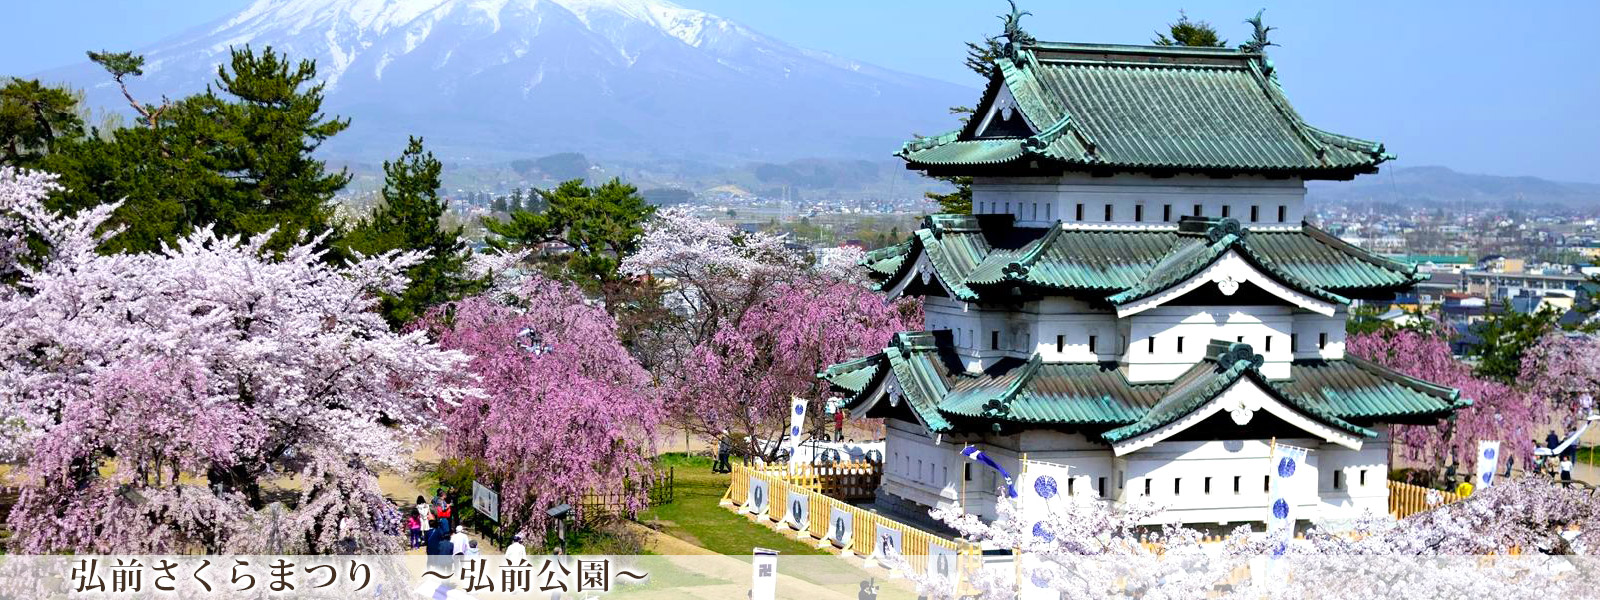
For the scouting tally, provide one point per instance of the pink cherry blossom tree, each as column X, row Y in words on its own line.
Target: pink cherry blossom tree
column 1564, row 371
column 742, row 379
column 163, row 402
column 706, row 274
column 567, row 411
column 750, row 322
column 1498, row 412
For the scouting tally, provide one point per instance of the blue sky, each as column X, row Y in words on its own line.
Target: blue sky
column 1477, row 86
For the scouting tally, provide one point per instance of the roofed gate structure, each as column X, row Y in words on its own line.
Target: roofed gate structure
column 1136, row 294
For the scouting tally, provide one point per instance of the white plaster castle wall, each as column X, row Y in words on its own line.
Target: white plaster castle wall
column 1176, row 474
column 1062, row 330
column 917, row 469
column 1140, row 200
column 1154, row 354
column 1317, row 336
column 1362, row 481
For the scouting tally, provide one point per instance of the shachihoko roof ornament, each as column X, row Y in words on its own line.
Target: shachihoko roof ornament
column 1258, row 42
column 1015, row 36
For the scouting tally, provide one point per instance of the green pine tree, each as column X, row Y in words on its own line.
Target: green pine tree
column 498, row 205
column 516, row 200
column 237, row 158
column 33, row 117
column 1186, row 32
column 600, row 224
column 1505, row 337
column 410, row 218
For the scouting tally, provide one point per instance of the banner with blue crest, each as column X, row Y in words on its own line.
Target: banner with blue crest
column 1288, row 463
column 1488, row 458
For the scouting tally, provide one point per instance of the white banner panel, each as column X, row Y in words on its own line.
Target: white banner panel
column 798, row 514
column 759, row 497
column 886, row 543
column 841, row 527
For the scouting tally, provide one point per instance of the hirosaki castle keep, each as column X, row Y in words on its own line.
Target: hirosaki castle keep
column 1136, row 295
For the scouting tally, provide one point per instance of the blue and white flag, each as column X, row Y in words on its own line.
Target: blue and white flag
column 974, row 454
column 1041, row 494
column 1287, row 464
column 1488, row 458
column 797, row 422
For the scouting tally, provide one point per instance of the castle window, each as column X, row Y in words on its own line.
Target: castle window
column 1283, row 213
column 1177, row 486
column 1119, row 480
column 1138, row 213
column 1208, row 486
column 1322, row 341
column 1224, row 211
column 1147, row 486
column 966, row 471
column 1079, row 212
column 1166, row 212
column 1047, row 210
column 1180, row 344
column 1102, row 487
column 1363, row 480
column 1294, row 342
column 1199, row 211
column 1336, row 478
column 1236, row 480
column 1061, row 343
column 1266, row 484
column 1150, row 345
column 1091, row 343
column 1071, row 481
column 1035, row 211
column 1255, row 213
column 1108, row 212
column 994, row 339
column 1269, row 344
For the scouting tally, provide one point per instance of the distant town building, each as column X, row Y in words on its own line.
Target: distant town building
column 1496, row 285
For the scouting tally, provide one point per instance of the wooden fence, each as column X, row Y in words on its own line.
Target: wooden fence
column 1406, row 499
column 597, row 506
column 914, row 543
column 844, row 481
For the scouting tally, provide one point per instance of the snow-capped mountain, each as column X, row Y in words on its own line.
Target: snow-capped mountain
column 490, row 79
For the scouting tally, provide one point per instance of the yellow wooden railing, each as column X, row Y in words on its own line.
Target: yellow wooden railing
column 914, row 543
column 1406, row 499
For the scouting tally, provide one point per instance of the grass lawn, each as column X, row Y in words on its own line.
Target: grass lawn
column 1590, row 455
column 694, row 516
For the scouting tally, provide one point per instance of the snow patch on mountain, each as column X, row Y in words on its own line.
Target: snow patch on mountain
column 510, row 77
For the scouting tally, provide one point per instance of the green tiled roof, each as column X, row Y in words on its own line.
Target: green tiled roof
column 1359, row 390
column 1224, row 365
column 1196, row 254
column 1039, row 392
column 1123, row 266
column 1097, row 398
column 1097, row 106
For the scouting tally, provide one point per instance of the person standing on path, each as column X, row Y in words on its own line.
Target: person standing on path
column 516, row 550
column 724, row 451
column 425, row 515
column 458, row 542
column 414, row 526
